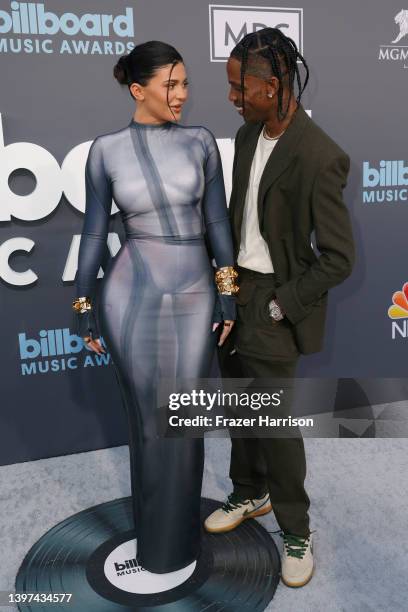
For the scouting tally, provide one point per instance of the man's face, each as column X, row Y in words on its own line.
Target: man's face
column 258, row 106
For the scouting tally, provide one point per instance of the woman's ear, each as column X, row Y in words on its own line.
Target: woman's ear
column 137, row 91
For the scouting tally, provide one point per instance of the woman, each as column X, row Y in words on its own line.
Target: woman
column 158, row 298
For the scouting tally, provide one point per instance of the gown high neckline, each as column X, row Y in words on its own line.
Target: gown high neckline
column 137, row 124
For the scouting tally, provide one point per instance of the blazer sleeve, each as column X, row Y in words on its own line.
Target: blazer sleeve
column 334, row 240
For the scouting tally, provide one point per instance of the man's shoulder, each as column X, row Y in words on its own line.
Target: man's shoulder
column 317, row 143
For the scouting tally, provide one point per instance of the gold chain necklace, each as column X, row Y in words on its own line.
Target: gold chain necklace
column 270, row 137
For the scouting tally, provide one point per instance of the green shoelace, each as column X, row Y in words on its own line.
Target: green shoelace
column 295, row 545
column 233, row 502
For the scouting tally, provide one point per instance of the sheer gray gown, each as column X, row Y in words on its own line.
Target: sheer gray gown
column 156, row 307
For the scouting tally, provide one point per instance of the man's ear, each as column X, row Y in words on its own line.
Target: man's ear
column 272, row 86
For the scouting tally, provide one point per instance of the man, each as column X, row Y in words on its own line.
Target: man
column 288, row 178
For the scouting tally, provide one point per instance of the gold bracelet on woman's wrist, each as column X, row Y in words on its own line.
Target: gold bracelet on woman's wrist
column 225, row 280
column 82, row 305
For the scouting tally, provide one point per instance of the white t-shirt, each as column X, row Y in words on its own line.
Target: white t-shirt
column 253, row 252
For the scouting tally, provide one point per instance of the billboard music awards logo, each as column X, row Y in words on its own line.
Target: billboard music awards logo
column 57, row 350
column 396, row 51
column 43, row 26
column 229, row 24
column 123, row 571
column 129, row 566
column 385, row 182
column 398, row 313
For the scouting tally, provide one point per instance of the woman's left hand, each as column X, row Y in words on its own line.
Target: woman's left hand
column 226, row 330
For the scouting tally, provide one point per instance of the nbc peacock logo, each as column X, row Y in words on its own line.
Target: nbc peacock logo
column 398, row 313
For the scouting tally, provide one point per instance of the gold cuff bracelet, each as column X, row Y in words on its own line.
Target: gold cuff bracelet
column 225, row 280
column 82, row 305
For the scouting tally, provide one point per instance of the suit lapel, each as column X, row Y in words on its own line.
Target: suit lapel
column 281, row 155
column 243, row 169
column 278, row 161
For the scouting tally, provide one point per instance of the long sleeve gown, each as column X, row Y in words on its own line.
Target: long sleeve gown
column 155, row 307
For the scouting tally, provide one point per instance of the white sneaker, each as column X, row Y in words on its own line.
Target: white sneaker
column 236, row 510
column 297, row 560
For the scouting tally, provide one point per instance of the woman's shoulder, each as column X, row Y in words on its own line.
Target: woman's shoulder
column 111, row 137
column 196, row 130
column 199, row 133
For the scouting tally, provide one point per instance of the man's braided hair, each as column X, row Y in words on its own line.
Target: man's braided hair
column 280, row 52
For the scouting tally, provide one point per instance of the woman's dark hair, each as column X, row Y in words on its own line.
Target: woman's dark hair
column 140, row 65
column 281, row 55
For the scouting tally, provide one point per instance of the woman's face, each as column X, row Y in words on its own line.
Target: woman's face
column 163, row 91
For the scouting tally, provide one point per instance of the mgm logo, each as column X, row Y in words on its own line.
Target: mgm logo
column 395, row 51
column 402, row 20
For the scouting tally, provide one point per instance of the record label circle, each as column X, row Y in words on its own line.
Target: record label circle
column 124, row 572
column 238, row 570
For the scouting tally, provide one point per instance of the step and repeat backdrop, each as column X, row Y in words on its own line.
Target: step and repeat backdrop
column 57, row 94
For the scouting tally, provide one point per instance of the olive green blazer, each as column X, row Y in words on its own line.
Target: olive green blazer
column 301, row 191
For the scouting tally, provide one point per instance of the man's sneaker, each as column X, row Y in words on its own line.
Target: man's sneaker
column 297, row 560
column 235, row 510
